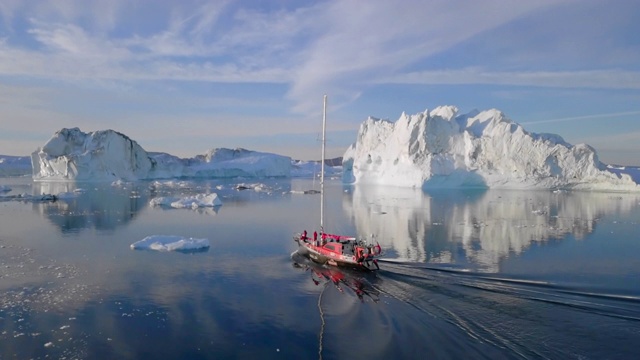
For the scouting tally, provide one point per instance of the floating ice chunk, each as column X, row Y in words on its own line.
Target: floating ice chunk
column 170, row 243
column 196, row 201
column 67, row 195
column 162, row 201
column 120, row 183
column 193, row 202
column 257, row 187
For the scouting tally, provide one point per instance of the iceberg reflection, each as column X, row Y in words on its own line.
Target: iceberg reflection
column 479, row 227
column 91, row 205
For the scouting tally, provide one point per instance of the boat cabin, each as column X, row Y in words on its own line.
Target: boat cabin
column 334, row 247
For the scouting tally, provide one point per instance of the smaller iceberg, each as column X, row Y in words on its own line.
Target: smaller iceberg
column 170, row 243
column 188, row 202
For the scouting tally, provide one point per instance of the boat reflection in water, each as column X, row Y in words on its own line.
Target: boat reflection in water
column 343, row 279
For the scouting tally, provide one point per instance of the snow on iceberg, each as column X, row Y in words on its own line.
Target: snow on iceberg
column 170, row 243
column 441, row 149
column 108, row 155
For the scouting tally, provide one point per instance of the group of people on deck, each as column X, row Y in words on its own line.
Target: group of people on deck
column 304, row 237
column 325, row 237
column 360, row 252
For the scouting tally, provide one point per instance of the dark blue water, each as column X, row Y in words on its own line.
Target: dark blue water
column 489, row 274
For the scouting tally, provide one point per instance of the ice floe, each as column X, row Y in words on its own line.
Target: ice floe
column 170, row 243
column 192, row 202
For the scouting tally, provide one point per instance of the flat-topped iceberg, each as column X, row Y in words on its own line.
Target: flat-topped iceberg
column 442, row 149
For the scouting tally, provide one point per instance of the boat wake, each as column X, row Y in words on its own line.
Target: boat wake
column 416, row 310
column 511, row 317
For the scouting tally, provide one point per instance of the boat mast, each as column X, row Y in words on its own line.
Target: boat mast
column 324, row 127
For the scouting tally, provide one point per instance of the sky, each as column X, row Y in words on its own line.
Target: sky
column 187, row 76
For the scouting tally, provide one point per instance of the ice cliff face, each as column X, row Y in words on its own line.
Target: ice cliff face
column 108, row 155
column 441, row 149
column 101, row 155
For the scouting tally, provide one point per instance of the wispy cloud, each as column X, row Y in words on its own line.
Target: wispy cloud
column 186, row 44
column 341, row 47
column 94, row 62
column 584, row 117
column 376, row 40
column 607, row 79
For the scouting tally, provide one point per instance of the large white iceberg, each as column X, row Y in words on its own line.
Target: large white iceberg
column 101, row 155
column 442, row 149
column 109, row 155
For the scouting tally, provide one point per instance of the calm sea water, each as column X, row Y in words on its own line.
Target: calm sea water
column 469, row 274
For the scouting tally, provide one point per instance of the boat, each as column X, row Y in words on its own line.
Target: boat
column 334, row 249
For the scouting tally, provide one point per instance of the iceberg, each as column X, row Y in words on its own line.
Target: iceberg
column 443, row 149
column 170, row 243
column 101, row 155
column 231, row 163
column 191, row 202
column 311, row 169
column 437, row 148
column 108, row 155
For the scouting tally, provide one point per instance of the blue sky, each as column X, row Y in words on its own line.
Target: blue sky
column 187, row 76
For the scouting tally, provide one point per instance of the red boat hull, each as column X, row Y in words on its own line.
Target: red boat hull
column 340, row 251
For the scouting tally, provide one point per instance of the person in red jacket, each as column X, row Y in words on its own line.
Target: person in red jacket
column 359, row 255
